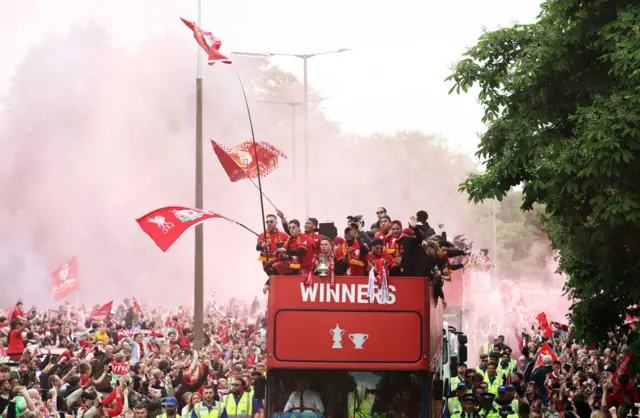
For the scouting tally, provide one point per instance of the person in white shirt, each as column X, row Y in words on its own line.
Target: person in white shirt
column 304, row 399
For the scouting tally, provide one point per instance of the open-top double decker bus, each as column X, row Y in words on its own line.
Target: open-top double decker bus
column 338, row 341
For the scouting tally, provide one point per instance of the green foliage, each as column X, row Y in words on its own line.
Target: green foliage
column 561, row 99
column 523, row 250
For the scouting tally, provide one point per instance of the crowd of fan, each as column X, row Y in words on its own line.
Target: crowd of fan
column 139, row 361
column 572, row 380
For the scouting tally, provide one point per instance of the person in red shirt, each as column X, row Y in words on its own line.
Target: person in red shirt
column 555, row 375
column 385, row 227
column 17, row 313
column 378, row 252
column 351, row 254
column 296, row 256
column 275, row 239
column 390, row 241
column 311, row 231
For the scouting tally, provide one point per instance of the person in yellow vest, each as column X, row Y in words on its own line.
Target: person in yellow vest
column 239, row 403
column 482, row 368
column 487, row 409
column 170, row 408
column 513, row 363
column 504, row 367
column 453, row 382
column 469, row 409
column 505, row 411
column 359, row 406
column 453, row 407
column 513, row 397
column 492, row 380
column 208, row 408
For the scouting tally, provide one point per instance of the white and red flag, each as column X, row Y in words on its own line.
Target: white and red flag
column 209, row 43
column 544, row 350
column 245, row 160
column 100, row 313
column 165, row 225
column 64, row 280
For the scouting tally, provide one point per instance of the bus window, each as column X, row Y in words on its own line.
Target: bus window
column 336, row 393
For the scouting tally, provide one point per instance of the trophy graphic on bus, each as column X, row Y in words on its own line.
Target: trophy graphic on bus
column 337, row 333
column 358, row 340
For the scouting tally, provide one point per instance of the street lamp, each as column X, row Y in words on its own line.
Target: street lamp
column 293, row 106
column 304, row 58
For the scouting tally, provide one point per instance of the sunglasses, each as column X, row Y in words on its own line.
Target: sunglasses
column 381, row 213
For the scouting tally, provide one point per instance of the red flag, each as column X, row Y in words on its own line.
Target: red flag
column 165, row 225
column 240, row 162
column 101, row 313
column 544, row 324
column 209, row 43
column 64, row 280
column 544, row 350
column 136, row 305
column 623, row 367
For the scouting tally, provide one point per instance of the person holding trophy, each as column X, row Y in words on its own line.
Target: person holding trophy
column 324, row 263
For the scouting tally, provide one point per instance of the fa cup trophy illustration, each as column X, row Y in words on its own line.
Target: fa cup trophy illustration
column 337, row 333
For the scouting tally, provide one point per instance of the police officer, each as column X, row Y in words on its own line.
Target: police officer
column 208, row 408
column 453, row 408
column 506, row 412
column 468, row 407
column 511, row 395
column 487, row 408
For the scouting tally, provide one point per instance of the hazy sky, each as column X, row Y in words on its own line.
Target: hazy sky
column 393, row 78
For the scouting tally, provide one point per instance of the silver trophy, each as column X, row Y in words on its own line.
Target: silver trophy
column 322, row 265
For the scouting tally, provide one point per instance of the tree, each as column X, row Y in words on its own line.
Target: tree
column 524, row 251
column 561, row 99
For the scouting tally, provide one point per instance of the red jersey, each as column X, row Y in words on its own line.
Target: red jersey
column 391, row 262
column 315, row 240
column 278, row 237
column 305, row 261
column 356, row 264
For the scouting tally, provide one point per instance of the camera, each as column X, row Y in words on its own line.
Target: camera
column 357, row 220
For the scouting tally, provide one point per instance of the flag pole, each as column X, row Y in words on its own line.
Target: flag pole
column 255, row 152
column 261, row 192
column 198, row 286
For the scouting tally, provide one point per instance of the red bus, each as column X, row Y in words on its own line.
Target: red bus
column 338, row 343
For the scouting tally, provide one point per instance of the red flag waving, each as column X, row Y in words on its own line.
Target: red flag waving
column 209, row 43
column 136, row 305
column 240, row 162
column 165, row 225
column 544, row 350
column 544, row 324
column 101, row 313
column 64, row 280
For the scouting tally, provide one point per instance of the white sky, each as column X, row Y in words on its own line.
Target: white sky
column 392, row 80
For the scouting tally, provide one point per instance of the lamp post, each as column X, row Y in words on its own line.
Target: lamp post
column 198, row 270
column 305, row 58
column 293, row 106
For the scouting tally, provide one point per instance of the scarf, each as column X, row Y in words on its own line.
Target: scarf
column 378, row 278
column 356, row 252
column 332, row 273
column 272, row 241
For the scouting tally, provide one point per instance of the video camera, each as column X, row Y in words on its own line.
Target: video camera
column 355, row 221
